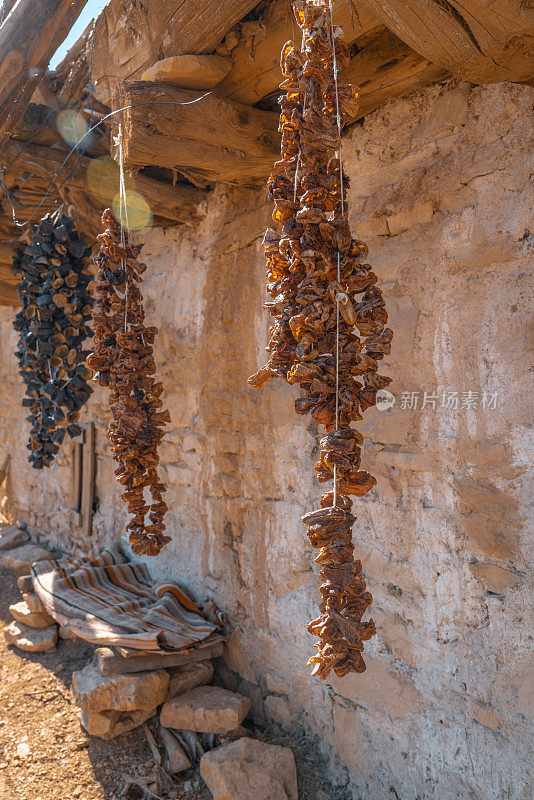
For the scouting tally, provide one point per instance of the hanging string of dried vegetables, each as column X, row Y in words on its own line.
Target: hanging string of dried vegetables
column 322, row 292
column 55, row 307
column 123, row 361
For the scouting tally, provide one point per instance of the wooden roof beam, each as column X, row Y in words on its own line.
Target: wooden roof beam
column 255, row 71
column 29, row 37
column 385, row 67
column 476, row 40
column 207, row 141
column 178, row 204
column 129, row 37
column 8, row 279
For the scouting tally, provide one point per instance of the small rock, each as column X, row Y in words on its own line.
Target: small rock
column 176, row 759
column 23, row 749
column 109, row 724
column 278, row 709
column 64, row 633
column 32, row 640
column 33, row 601
column 22, row 613
column 134, row 692
column 207, row 709
column 11, row 536
column 250, row 770
column 25, row 584
column 21, row 559
column 189, row 677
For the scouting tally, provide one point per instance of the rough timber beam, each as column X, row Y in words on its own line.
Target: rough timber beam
column 210, row 140
column 129, row 37
column 385, row 67
column 478, row 40
column 29, row 37
column 175, row 203
column 255, row 71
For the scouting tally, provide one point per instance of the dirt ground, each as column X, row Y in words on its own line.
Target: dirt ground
column 46, row 755
column 44, row 752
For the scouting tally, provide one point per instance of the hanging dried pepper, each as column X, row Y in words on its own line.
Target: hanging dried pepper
column 52, row 327
column 330, row 332
column 124, row 362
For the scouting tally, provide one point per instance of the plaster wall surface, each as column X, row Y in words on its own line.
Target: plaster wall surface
column 440, row 191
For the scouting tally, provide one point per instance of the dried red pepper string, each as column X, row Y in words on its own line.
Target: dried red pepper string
column 123, row 360
column 315, row 272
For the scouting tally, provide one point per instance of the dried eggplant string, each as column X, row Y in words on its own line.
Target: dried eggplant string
column 315, row 271
column 53, row 326
column 124, row 362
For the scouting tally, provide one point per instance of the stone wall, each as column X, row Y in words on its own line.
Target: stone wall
column 440, row 192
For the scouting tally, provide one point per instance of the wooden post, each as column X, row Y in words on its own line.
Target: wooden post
column 29, row 37
column 88, row 479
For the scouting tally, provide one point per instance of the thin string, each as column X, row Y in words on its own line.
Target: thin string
column 338, row 119
column 303, row 110
column 123, row 217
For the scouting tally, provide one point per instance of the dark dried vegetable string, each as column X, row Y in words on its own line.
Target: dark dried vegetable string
column 52, row 326
column 315, row 272
column 123, row 361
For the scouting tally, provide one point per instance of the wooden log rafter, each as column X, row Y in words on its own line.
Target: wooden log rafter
column 29, row 36
column 397, row 47
column 478, row 40
column 130, row 37
column 177, row 203
column 255, row 71
column 207, row 141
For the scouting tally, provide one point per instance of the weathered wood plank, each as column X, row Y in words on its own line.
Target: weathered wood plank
column 28, row 38
column 210, row 140
column 88, row 480
column 255, row 71
column 478, row 40
column 385, row 67
column 41, row 118
column 130, row 37
column 109, row 663
column 76, row 475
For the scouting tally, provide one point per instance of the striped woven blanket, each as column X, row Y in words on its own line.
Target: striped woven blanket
column 110, row 601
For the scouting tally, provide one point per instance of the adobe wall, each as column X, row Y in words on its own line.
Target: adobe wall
column 439, row 190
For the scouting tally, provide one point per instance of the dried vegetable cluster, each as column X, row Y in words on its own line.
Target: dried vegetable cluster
column 123, row 361
column 55, row 307
column 330, row 319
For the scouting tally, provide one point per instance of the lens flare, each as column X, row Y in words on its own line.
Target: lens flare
column 103, row 182
column 137, row 214
column 103, row 179
column 72, row 127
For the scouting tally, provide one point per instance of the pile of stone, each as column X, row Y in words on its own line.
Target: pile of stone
column 198, row 722
column 117, row 692
column 195, row 722
column 33, row 629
